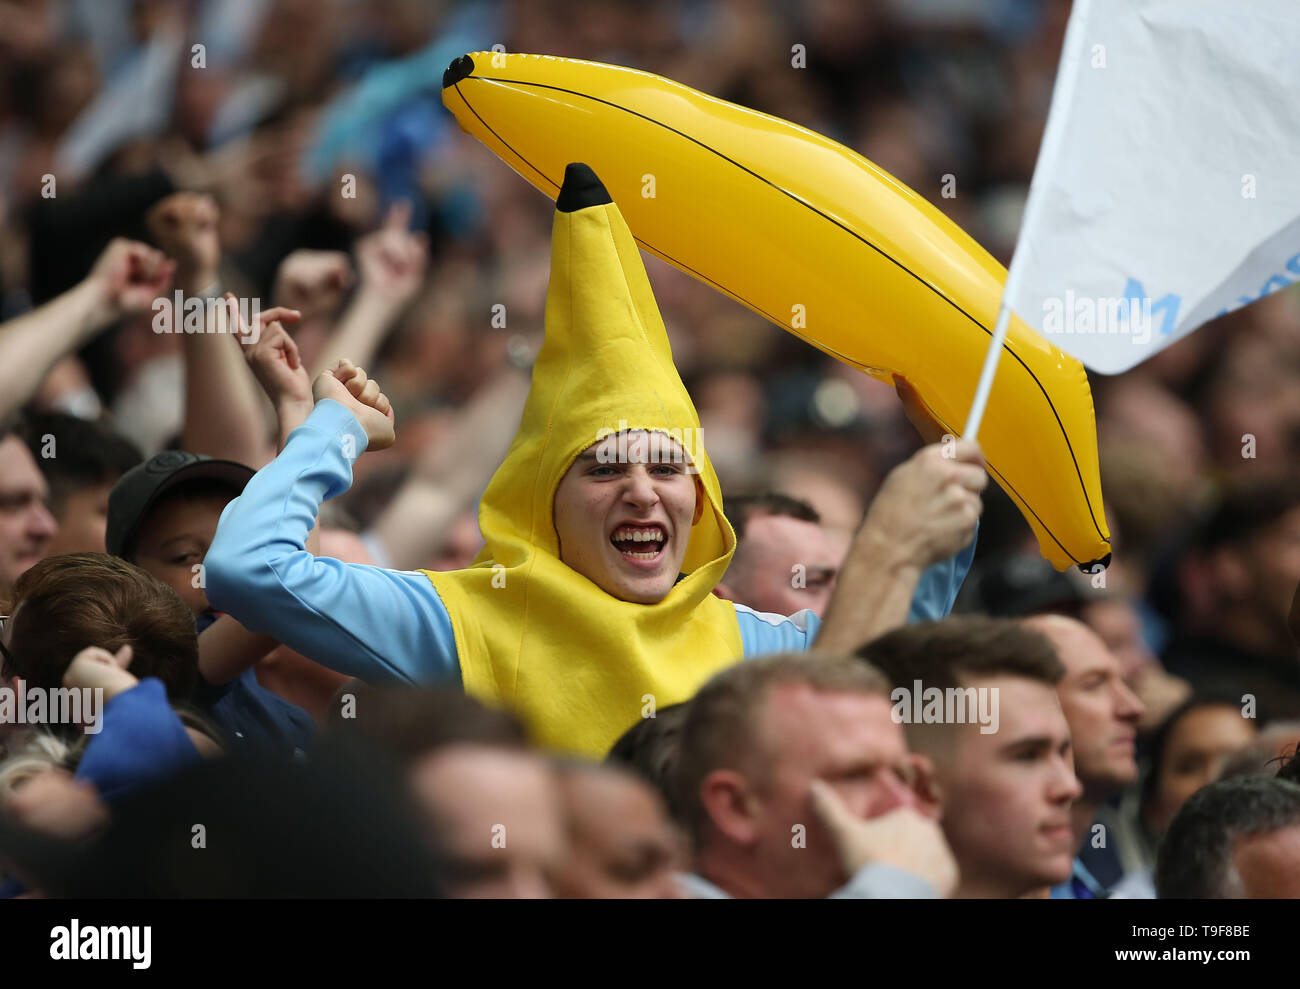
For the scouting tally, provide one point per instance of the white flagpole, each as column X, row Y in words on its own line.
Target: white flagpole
column 1066, row 74
column 990, row 366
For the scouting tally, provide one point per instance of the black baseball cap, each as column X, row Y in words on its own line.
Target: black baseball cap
column 140, row 488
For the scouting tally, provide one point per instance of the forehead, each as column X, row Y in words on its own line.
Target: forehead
column 637, row 446
column 783, row 532
column 1026, row 709
column 197, row 512
column 1269, row 863
column 1080, row 649
column 1210, row 727
column 807, row 725
column 474, row 787
column 609, row 805
column 18, row 471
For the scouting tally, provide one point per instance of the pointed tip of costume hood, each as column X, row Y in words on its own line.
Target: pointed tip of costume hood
column 581, row 189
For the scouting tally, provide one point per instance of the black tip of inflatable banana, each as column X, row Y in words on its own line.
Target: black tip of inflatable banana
column 459, row 69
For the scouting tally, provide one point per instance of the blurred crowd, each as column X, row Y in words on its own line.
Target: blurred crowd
column 296, row 152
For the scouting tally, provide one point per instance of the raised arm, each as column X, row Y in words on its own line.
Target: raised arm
column 224, row 416
column 376, row 624
column 124, row 281
column 226, row 648
column 450, row 475
column 391, row 262
column 925, row 512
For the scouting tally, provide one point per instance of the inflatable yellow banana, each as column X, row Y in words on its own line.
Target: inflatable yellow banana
column 818, row 240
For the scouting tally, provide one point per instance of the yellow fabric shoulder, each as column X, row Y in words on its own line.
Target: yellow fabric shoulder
column 577, row 663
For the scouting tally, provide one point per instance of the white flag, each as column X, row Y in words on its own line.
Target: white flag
column 1167, row 189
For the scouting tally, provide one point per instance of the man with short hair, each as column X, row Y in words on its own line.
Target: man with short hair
column 1234, row 839
column 89, row 620
column 1238, row 581
column 64, row 604
column 999, row 743
column 27, row 528
column 785, row 560
column 81, row 460
column 622, row 844
column 492, row 809
column 649, row 749
column 1103, row 714
column 794, row 781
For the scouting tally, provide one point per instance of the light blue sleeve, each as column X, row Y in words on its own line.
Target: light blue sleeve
column 937, row 589
column 762, row 632
column 878, row 881
column 376, row 624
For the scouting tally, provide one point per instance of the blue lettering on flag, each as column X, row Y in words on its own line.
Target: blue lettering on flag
column 1168, row 305
column 1275, row 283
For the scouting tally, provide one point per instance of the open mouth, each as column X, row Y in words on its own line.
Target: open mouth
column 643, row 543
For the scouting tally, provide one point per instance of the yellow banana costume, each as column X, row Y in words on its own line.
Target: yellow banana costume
column 816, row 239
column 531, row 632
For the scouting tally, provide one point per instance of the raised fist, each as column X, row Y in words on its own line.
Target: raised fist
column 392, row 259
column 348, row 385
column 95, row 667
column 129, row 276
column 185, row 226
column 929, row 504
column 313, row 282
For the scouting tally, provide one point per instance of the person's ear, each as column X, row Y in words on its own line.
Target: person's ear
column 724, row 591
column 925, row 784
column 699, row 501
column 727, row 800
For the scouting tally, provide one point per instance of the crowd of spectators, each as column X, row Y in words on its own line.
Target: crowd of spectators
column 296, row 152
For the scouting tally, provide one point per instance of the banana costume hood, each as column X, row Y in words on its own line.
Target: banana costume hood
column 579, row 665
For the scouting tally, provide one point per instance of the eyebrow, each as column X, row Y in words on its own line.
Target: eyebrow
column 1031, row 743
column 177, row 539
column 1101, row 668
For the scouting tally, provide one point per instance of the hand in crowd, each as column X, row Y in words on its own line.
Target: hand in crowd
column 98, row 668
column 904, row 838
column 929, row 504
column 128, row 276
column 56, row 804
column 347, row 384
column 313, row 282
column 392, row 259
column 185, row 226
column 273, row 358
